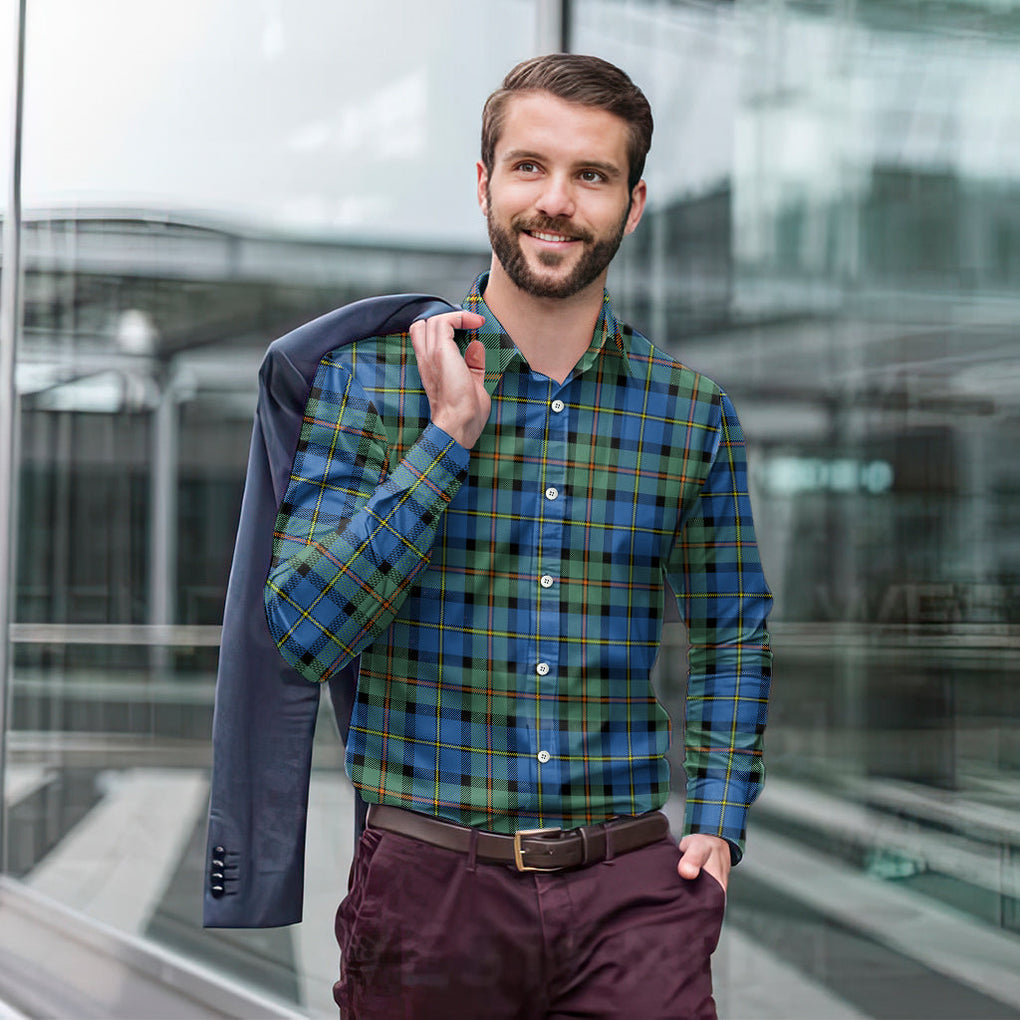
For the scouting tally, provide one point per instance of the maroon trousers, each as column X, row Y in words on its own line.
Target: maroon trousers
column 427, row 933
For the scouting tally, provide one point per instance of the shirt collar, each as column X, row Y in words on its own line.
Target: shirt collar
column 500, row 350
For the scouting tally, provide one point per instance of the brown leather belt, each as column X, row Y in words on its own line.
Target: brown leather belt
column 527, row 849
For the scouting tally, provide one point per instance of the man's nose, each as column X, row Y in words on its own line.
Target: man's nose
column 557, row 197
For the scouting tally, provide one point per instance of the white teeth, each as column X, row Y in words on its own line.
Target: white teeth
column 550, row 237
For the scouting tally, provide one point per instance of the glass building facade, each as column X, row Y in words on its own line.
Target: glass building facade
column 833, row 234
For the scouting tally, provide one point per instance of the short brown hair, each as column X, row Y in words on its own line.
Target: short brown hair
column 589, row 81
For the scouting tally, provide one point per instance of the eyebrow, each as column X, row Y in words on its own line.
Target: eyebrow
column 609, row 169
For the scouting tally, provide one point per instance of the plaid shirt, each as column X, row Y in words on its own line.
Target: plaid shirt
column 507, row 603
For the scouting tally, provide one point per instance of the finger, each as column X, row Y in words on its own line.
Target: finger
column 417, row 331
column 439, row 333
column 475, row 356
column 440, row 328
column 469, row 320
column 450, row 321
column 435, row 339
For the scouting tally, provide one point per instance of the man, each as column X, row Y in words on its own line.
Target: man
column 485, row 510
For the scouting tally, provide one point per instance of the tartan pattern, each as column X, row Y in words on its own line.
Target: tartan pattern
column 395, row 543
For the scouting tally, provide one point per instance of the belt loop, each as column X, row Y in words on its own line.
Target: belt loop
column 608, row 830
column 472, row 856
column 585, row 848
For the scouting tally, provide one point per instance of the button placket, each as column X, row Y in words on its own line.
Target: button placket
column 549, row 562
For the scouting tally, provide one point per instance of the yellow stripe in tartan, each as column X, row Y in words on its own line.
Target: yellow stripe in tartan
column 471, row 749
column 305, row 614
column 569, row 639
column 384, row 524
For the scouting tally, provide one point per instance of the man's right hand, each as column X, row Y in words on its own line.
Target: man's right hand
column 454, row 384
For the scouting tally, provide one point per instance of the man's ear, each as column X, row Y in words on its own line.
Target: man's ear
column 637, row 206
column 483, row 182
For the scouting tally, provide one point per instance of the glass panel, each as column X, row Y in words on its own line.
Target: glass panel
column 335, row 119
column 199, row 179
column 833, row 236
column 8, row 27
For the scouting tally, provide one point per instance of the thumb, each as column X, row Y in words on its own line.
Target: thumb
column 475, row 356
column 688, row 867
column 692, row 859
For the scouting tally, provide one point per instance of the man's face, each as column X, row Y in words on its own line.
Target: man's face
column 557, row 201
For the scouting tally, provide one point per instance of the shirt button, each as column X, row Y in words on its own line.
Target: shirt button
column 552, row 492
column 542, row 668
column 557, row 406
column 546, row 581
column 544, row 756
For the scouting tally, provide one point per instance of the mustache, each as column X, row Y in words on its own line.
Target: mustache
column 551, row 225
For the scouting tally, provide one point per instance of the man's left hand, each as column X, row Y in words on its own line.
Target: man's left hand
column 703, row 851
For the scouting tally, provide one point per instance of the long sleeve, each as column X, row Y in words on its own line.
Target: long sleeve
column 353, row 531
column 716, row 573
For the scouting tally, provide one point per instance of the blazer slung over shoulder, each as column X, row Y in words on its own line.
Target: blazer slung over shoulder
column 265, row 712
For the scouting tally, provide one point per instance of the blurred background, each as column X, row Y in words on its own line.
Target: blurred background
column 833, row 233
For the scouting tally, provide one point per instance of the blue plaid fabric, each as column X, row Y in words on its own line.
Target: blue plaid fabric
column 507, row 604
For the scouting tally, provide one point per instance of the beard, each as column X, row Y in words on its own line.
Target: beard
column 595, row 256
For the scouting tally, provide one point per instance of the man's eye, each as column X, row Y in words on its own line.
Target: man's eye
column 527, row 168
column 592, row 176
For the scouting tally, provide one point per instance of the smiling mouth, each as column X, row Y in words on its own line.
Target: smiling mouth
column 543, row 235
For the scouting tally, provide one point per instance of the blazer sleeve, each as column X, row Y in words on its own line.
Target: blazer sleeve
column 265, row 712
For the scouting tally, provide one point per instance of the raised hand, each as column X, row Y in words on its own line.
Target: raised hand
column 454, row 384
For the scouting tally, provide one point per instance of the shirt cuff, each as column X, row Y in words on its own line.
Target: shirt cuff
column 444, row 440
column 712, row 809
column 438, row 461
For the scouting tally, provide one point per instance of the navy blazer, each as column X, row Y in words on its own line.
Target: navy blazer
column 265, row 711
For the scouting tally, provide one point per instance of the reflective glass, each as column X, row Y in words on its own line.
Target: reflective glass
column 339, row 119
column 8, row 29
column 833, row 236
column 8, row 23
column 199, row 178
